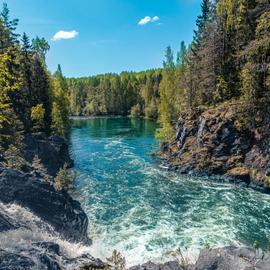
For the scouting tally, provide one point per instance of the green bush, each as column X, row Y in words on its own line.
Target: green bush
column 64, row 179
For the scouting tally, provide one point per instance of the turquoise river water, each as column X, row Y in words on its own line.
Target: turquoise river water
column 139, row 208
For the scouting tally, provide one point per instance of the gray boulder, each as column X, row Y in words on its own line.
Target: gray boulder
column 11, row 261
column 232, row 258
column 56, row 207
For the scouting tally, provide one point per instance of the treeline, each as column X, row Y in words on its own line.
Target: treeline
column 31, row 99
column 228, row 60
column 113, row 94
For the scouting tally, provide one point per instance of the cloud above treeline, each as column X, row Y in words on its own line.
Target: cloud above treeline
column 148, row 19
column 65, row 35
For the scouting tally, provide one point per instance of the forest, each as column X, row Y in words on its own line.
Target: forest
column 227, row 61
column 142, row 186
column 31, row 99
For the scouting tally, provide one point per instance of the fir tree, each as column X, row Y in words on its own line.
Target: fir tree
column 39, row 168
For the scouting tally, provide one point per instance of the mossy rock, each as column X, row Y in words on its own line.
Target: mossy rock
column 242, row 173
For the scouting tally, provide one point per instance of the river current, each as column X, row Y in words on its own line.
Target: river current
column 139, row 208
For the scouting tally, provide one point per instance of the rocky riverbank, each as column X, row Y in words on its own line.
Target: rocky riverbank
column 52, row 151
column 213, row 141
column 41, row 227
column 227, row 258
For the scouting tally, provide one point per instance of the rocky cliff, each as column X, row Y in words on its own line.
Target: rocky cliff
column 52, row 151
column 41, row 227
column 214, row 142
column 55, row 207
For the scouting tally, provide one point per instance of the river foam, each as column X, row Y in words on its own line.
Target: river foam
column 31, row 230
column 146, row 212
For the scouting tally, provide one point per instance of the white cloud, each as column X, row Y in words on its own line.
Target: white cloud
column 148, row 19
column 65, row 35
column 145, row 20
column 155, row 19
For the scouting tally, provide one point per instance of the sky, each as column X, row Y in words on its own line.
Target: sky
column 89, row 37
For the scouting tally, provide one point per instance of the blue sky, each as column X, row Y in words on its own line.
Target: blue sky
column 107, row 36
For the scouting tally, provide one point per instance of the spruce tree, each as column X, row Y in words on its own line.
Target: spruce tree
column 41, row 47
column 8, row 36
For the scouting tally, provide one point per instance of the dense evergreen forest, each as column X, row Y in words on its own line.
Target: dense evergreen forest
column 227, row 61
column 129, row 92
column 31, row 99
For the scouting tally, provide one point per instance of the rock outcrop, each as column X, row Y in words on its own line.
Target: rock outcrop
column 31, row 209
column 46, row 256
column 52, row 151
column 172, row 265
column 227, row 258
column 56, row 207
column 6, row 223
column 233, row 258
column 214, row 142
column 38, row 222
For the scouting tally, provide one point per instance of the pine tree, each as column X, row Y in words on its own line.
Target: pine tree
column 39, row 168
column 201, row 23
column 181, row 55
column 255, row 78
column 8, row 35
column 10, row 81
column 26, row 46
column 40, row 47
column 169, row 58
column 14, row 158
column 37, row 115
column 41, row 90
column 60, row 107
column 23, row 100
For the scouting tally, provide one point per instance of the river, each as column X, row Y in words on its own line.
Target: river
column 144, row 211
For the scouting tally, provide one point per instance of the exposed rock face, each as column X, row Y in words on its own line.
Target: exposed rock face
column 232, row 258
column 41, row 227
column 228, row 258
column 14, row 261
column 32, row 209
column 52, row 151
column 55, row 207
column 6, row 224
column 173, row 265
column 45, row 256
column 215, row 143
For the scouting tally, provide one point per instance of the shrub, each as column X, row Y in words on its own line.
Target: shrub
column 64, row 179
column 14, row 158
column 136, row 111
column 117, row 261
column 166, row 133
column 179, row 257
column 39, row 167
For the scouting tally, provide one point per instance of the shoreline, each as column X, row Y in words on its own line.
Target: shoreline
column 205, row 256
column 109, row 116
column 167, row 260
column 214, row 177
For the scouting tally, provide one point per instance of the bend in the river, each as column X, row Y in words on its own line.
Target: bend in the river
column 144, row 211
